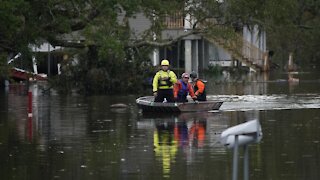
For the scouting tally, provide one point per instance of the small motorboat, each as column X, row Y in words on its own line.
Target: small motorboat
column 147, row 104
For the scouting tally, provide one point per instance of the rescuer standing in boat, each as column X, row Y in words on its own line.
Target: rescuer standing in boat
column 199, row 87
column 182, row 88
column 163, row 83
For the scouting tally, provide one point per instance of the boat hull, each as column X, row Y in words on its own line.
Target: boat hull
column 146, row 104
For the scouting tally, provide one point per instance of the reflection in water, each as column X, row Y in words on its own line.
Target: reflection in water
column 197, row 133
column 165, row 146
column 77, row 137
column 185, row 132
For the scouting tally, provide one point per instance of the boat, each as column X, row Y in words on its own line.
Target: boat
column 147, row 104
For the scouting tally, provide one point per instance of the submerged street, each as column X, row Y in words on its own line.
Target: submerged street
column 81, row 137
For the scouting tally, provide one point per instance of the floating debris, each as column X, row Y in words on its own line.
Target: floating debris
column 99, row 131
column 119, row 105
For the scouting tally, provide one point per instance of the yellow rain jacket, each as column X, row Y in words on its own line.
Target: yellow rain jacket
column 164, row 80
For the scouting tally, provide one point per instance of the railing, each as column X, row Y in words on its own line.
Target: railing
column 237, row 46
column 174, row 21
column 226, row 37
column 252, row 53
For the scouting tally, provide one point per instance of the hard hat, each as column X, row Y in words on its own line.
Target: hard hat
column 164, row 62
column 193, row 74
column 185, row 75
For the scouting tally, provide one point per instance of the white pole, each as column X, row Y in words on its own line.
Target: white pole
column 34, row 64
column 235, row 158
column 246, row 163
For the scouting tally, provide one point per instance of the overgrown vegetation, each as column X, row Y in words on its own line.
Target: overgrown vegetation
column 213, row 70
column 114, row 57
column 94, row 74
column 4, row 69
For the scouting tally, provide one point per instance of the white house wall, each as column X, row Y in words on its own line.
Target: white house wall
column 45, row 47
column 217, row 55
column 139, row 24
column 254, row 37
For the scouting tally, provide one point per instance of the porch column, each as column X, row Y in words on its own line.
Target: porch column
column 195, row 56
column 188, row 55
column 155, row 57
column 34, row 64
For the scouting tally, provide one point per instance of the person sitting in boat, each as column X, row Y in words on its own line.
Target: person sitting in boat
column 199, row 87
column 182, row 88
column 163, row 82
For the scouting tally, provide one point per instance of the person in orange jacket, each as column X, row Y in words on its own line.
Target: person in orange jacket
column 199, row 87
column 182, row 88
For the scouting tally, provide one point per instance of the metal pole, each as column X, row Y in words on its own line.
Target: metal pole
column 235, row 158
column 246, row 163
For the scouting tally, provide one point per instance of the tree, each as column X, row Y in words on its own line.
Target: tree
column 290, row 25
column 109, row 43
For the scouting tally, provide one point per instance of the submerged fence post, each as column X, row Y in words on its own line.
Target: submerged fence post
column 29, row 103
column 266, row 66
column 30, row 128
column 29, row 122
column 290, row 62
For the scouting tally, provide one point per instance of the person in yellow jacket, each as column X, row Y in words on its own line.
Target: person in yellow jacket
column 163, row 82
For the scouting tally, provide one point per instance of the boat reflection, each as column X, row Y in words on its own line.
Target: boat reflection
column 184, row 134
column 165, row 146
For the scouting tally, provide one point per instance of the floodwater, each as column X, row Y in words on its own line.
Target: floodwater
column 77, row 137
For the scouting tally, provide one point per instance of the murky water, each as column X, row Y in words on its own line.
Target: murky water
column 76, row 137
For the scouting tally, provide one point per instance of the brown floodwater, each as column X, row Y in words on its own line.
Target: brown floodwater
column 82, row 137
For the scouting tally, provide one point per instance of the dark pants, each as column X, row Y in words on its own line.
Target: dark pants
column 182, row 98
column 202, row 97
column 164, row 93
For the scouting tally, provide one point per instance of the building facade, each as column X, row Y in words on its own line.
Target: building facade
column 195, row 52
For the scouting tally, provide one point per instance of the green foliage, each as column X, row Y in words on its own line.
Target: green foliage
column 13, row 25
column 294, row 27
column 4, row 68
column 112, row 62
column 290, row 25
column 213, row 70
column 95, row 74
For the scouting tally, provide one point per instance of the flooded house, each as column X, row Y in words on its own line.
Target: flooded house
column 238, row 46
column 196, row 52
